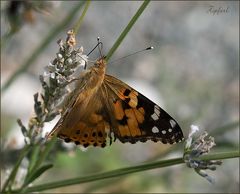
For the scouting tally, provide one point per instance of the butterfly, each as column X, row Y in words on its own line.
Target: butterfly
column 103, row 108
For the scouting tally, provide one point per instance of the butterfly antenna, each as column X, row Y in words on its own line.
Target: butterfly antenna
column 85, row 65
column 100, row 46
column 148, row 48
column 99, row 43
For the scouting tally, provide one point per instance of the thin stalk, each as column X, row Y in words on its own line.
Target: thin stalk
column 110, row 174
column 225, row 128
column 128, row 170
column 221, row 155
column 14, row 171
column 5, row 38
column 127, row 29
column 80, row 20
column 43, row 155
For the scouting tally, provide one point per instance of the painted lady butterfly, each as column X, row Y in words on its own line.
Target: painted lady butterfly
column 104, row 107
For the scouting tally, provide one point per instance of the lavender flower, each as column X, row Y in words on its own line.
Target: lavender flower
column 194, row 148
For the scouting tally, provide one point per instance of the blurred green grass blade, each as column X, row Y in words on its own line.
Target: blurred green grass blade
column 221, row 155
column 37, row 173
column 110, row 174
column 221, row 130
column 128, row 170
column 80, row 20
column 56, row 30
column 34, row 157
column 5, row 38
column 45, row 153
column 13, row 174
column 127, row 29
column 96, row 186
column 227, row 145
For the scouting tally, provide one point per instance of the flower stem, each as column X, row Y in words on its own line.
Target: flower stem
column 79, row 22
column 13, row 174
column 127, row 29
column 128, row 170
column 221, row 155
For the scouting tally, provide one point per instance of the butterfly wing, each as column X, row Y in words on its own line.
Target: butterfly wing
column 85, row 125
column 114, row 110
column 136, row 118
column 85, row 121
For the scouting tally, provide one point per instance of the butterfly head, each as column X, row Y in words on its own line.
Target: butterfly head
column 101, row 63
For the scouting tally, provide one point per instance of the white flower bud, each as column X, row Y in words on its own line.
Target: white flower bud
column 59, row 56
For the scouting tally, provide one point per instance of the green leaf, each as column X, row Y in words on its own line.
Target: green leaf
column 34, row 157
column 45, row 152
column 13, row 173
column 37, row 173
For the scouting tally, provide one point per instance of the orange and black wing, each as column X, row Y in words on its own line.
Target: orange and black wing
column 85, row 121
column 115, row 111
column 136, row 118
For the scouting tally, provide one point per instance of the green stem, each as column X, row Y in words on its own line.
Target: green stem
column 40, row 160
column 13, row 174
column 221, row 155
column 127, row 29
column 224, row 129
column 42, row 46
column 128, row 170
column 80, row 20
column 110, row 174
column 5, row 38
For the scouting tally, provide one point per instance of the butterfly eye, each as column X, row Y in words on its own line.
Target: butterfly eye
column 97, row 64
column 100, row 62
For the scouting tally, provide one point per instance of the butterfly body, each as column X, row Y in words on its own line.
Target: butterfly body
column 103, row 107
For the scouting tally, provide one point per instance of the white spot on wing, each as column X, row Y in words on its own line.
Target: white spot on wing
column 169, row 130
column 154, row 116
column 155, row 129
column 156, row 110
column 173, row 123
column 164, row 132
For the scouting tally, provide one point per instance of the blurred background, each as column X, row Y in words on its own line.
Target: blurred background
column 193, row 73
